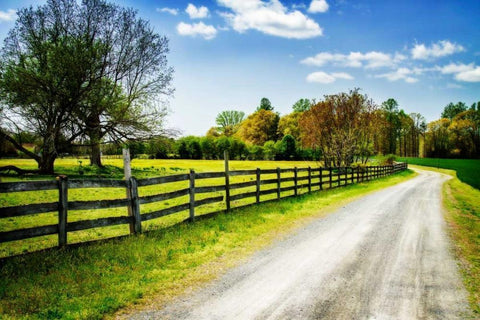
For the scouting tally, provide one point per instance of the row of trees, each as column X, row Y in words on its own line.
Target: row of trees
column 456, row 133
column 81, row 73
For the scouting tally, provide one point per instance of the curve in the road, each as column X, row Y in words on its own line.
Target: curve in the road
column 384, row 256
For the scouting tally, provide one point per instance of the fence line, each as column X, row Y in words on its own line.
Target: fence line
column 328, row 178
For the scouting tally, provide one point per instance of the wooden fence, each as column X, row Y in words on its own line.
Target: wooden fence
column 278, row 183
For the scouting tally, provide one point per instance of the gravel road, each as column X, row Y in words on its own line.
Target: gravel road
column 384, row 256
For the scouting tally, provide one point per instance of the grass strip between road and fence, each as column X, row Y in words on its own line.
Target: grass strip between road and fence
column 94, row 281
column 462, row 212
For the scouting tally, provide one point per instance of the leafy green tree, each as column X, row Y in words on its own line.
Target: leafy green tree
column 208, row 147
column 287, row 148
column 265, row 104
column 451, row 110
column 288, row 125
column 302, row 105
column 393, row 124
column 259, row 127
column 84, row 70
column 229, row 121
column 269, row 150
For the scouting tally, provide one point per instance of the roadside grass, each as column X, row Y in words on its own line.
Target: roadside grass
column 468, row 170
column 94, row 281
column 462, row 204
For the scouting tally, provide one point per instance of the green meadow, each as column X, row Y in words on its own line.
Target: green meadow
column 468, row 170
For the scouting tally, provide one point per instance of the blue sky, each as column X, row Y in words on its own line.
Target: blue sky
column 228, row 54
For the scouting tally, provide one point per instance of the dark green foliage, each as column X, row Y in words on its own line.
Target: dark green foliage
column 265, row 104
column 302, row 105
column 451, row 110
column 287, row 148
column 467, row 169
column 189, row 148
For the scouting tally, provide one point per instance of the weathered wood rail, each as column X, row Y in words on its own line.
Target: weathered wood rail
column 293, row 182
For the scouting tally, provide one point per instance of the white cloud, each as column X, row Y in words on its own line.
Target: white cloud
column 270, row 18
column 196, row 13
column 206, row 31
column 8, row 15
column 318, row 6
column 326, row 78
column 439, row 49
column 461, row 71
column 399, row 74
column 172, row 11
column 456, row 68
column 469, row 75
column 369, row 60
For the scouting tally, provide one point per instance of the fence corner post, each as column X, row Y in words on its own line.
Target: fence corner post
column 136, row 225
column 192, row 195
column 62, row 209
column 320, row 177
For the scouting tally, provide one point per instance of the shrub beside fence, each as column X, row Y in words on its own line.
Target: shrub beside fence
column 262, row 185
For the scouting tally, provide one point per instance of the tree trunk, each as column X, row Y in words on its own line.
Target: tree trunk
column 48, row 156
column 94, row 132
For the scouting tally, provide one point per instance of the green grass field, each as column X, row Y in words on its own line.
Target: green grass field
column 94, row 281
column 468, row 170
column 141, row 168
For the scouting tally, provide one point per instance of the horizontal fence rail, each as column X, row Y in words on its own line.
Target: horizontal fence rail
column 275, row 183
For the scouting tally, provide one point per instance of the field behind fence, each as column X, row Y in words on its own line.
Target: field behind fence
column 42, row 214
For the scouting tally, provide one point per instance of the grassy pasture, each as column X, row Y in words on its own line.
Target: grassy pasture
column 468, row 170
column 93, row 281
column 141, row 168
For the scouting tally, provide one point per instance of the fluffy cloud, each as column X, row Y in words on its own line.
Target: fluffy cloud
column 270, row 18
column 462, row 72
column 318, row 6
column 168, row 10
column 372, row 59
column 326, row 78
column 196, row 13
column 399, row 74
column 9, row 15
column 197, row 29
column 439, row 49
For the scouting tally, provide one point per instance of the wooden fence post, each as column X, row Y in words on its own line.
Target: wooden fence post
column 278, row 183
column 257, row 195
column 309, row 179
column 346, row 175
column 320, row 172
column 295, row 179
column 127, row 173
column 330, row 176
column 136, row 224
column 227, row 180
column 192, row 195
column 62, row 210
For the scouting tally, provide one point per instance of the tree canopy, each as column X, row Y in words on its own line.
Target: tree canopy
column 72, row 70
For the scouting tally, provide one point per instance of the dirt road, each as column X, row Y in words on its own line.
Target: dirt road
column 385, row 256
